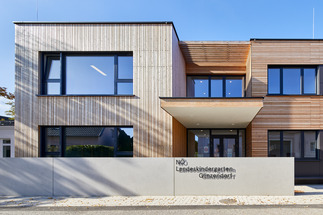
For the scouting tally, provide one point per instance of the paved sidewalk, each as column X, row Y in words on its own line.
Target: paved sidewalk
column 304, row 195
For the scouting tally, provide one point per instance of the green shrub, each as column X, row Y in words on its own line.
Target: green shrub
column 89, row 151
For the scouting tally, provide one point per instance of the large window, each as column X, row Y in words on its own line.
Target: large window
column 215, row 86
column 86, row 141
column 298, row 144
column 292, row 80
column 87, row 74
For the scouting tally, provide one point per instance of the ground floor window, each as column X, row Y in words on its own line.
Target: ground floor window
column 5, row 148
column 86, row 141
column 216, row 142
column 298, row 144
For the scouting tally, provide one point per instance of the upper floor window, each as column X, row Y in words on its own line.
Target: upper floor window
column 215, row 86
column 288, row 80
column 87, row 74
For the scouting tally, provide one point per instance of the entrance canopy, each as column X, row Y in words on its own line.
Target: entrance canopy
column 213, row 112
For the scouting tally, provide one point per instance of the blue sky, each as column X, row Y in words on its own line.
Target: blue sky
column 193, row 19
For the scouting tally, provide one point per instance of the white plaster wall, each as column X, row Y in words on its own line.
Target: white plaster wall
column 7, row 132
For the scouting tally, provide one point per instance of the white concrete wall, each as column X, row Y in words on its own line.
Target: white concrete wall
column 143, row 176
column 244, row 176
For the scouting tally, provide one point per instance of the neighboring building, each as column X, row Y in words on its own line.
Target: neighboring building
column 135, row 89
column 7, row 137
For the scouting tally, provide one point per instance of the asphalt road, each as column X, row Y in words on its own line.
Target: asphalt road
column 170, row 210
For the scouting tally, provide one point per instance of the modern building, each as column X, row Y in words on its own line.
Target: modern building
column 135, row 89
column 7, row 137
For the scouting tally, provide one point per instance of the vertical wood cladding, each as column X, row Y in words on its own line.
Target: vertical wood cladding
column 179, row 139
column 151, row 45
column 283, row 112
column 178, row 63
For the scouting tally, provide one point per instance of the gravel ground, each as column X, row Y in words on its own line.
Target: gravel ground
column 304, row 195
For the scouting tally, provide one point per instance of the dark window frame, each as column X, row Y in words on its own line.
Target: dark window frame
column 44, row 71
column 281, row 85
column 211, row 139
column 302, row 158
column 62, row 138
column 223, row 77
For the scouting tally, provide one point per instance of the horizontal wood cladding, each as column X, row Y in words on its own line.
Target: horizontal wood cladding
column 266, row 53
column 192, row 69
column 151, row 45
column 284, row 113
column 179, row 139
column 209, row 52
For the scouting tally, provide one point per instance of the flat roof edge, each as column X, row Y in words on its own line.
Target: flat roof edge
column 98, row 23
column 102, row 22
column 284, row 39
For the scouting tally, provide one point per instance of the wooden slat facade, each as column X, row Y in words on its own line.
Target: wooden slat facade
column 153, row 59
column 160, row 66
column 283, row 112
column 179, row 139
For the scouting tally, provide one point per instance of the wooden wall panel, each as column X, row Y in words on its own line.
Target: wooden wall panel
column 264, row 53
column 178, row 66
column 283, row 112
column 179, row 139
column 152, row 76
column 192, row 69
column 248, row 85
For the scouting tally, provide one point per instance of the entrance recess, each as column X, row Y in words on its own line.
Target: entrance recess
column 216, row 143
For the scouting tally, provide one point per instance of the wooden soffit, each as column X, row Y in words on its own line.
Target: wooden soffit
column 215, row 53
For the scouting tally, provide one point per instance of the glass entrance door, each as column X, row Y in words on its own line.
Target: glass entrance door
column 224, row 146
column 229, row 146
column 217, row 147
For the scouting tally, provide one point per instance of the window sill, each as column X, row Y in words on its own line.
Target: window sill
column 86, row 95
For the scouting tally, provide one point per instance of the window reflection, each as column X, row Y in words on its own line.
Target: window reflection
column 291, row 81
column 215, row 86
column 233, row 87
column 84, row 141
column 274, row 144
column 125, row 67
column 292, row 144
column 309, row 81
column 289, row 144
column 273, row 81
column 199, row 143
column 216, row 143
column 310, row 144
column 87, row 74
column 198, row 86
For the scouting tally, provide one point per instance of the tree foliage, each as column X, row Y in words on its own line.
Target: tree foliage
column 5, row 94
column 11, row 97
